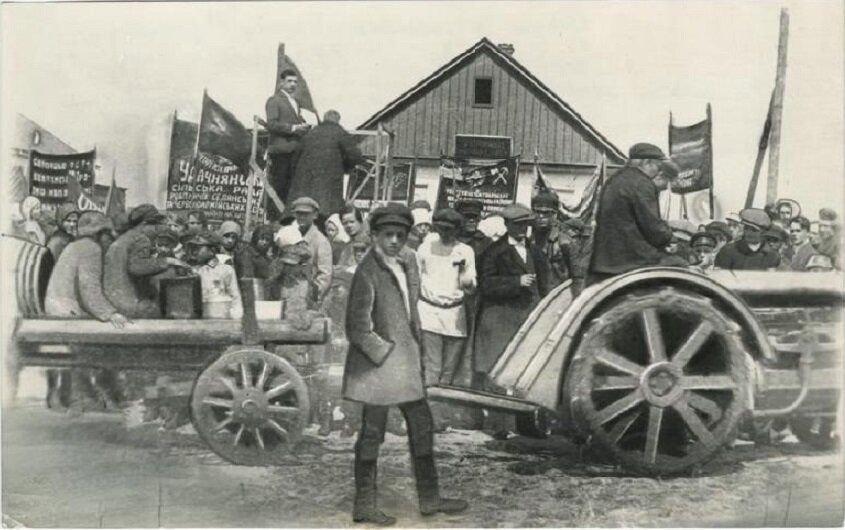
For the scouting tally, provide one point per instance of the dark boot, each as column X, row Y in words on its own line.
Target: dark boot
column 428, row 491
column 366, row 509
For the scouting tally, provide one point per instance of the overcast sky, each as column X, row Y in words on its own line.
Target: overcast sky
column 103, row 74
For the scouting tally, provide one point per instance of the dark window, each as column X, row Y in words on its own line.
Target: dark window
column 483, row 92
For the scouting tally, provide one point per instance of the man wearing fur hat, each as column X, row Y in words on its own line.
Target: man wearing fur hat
column 131, row 263
column 67, row 218
column 384, row 368
column 75, row 290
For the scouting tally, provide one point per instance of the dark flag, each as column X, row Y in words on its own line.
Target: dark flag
column 302, row 94
column 221, row 134
column 691, row 148
column 115, row 200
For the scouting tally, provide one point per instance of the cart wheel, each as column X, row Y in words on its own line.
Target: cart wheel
column 660, row 380
column 534, row 424
column 818, row 433
column 250, row 407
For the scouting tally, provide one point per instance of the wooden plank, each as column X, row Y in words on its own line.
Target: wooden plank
column 560, row 127
column 436, row 132
column 513, row 110
column 478, row 398
column 162, row 331
column 568, row 153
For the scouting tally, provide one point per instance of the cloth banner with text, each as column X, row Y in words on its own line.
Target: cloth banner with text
column 53, row 179
column 493, row 185
column 691, row 148
column 208, row 182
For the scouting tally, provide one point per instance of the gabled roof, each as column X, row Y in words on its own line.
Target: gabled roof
column 517, row 70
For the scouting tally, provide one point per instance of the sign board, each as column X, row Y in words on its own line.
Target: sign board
column 493, row 185
column 49, row 174
column 484, row 147
column 207, row 182
column 404, row 179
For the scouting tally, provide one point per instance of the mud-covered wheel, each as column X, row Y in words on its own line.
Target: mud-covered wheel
column 534, row 424
column 250, row 407
column 817, row 432
column 660, row 380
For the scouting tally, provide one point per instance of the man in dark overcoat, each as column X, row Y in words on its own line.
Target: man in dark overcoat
column 131, row 263
column 326, row 154
column 629, row 232
column 512, row 278
column 384, row 364
column 286, row 127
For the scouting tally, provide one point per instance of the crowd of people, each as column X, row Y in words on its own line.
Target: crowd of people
column 428, row 298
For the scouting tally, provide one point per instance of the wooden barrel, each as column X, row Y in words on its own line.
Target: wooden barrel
column 32, row 264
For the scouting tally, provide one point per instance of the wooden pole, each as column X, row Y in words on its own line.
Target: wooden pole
column 710, row 154
column 761, row 153
column 280, row 65
column 250, row 181
column 389, row 172
column 777, row 109
column 377, row 180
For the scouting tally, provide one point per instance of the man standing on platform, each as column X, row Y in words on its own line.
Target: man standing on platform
column 383, row 366
column 327, row 153
column 629, row 232
column 286, row 127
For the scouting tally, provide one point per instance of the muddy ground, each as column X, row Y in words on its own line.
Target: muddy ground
column 94, row 472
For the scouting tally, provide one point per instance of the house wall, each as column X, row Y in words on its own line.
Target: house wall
column 425, row 126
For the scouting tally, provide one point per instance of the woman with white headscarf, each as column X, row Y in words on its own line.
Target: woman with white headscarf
column 30, row 211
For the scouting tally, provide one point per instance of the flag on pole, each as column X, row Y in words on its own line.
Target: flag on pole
column 221, row 134
column 302, row 94
column 585, row 207
column 114, row 200
column 78, row 196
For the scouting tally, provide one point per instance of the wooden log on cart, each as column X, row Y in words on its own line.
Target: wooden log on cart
column 163, row 332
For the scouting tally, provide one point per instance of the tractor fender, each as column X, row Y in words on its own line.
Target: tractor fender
column 534, row 365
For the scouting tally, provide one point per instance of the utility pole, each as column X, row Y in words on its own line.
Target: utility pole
column 777, row 109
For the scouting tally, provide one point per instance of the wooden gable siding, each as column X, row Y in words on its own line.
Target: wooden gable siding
column 426, row 126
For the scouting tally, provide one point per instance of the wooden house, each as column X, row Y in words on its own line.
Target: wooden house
column 484, row 104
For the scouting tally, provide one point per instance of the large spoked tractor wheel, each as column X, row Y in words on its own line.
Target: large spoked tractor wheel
column 660, row 380
column 250, row 407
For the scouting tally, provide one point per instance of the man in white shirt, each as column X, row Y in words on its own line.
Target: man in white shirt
column 447, row 273
column 305, row 210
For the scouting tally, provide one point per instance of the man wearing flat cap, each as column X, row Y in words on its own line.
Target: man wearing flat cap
column 384, row 365
column 512, row 279
column 750, row 251
column 704, row 246
column 548, row 238
column 829, row 241
column 470, row 234
column 629, row 232
column 130, row 265
column 305, row 210
column 447, row 274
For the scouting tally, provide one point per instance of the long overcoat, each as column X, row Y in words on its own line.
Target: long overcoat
column 504, row 303
column 629, row 233
column 384, row 362
column 326, row 153
column 129, row 268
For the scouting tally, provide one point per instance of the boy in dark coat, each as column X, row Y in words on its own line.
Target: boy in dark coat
column 384, row 365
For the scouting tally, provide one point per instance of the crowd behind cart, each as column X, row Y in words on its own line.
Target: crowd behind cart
column 473, row 293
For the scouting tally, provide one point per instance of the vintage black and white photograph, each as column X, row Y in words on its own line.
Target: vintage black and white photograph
column 422, row 264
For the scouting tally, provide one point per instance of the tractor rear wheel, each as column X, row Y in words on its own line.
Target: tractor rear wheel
column 660, row 380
